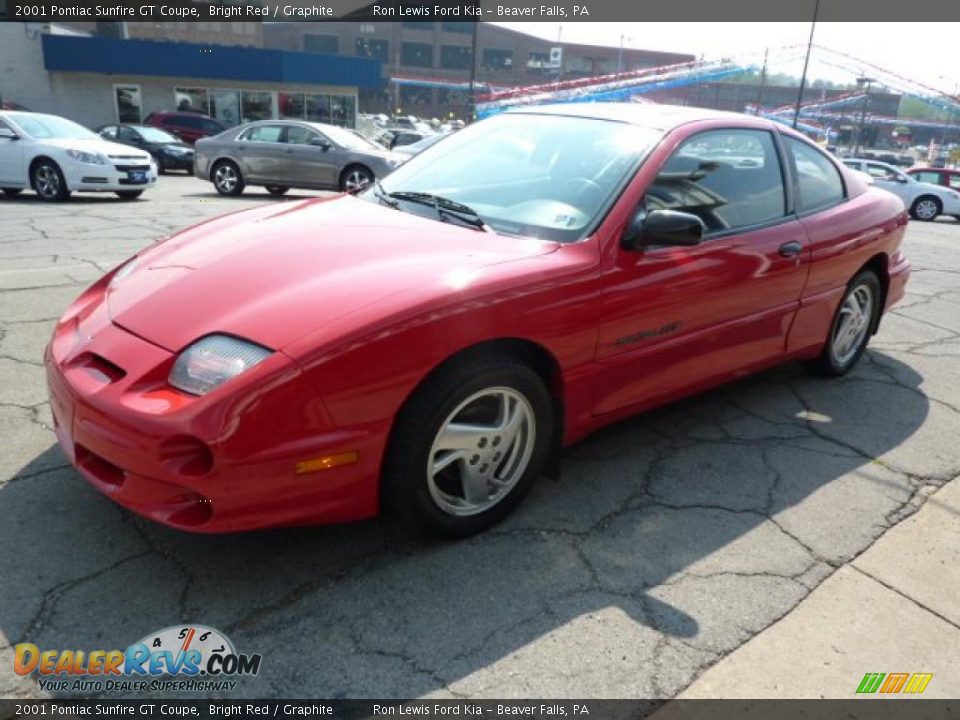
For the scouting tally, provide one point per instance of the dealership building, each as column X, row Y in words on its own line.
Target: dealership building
column 96, row 79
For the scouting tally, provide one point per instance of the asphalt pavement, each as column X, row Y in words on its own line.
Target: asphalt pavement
column 669, row 548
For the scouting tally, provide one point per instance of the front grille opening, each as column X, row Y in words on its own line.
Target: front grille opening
column 100, row 468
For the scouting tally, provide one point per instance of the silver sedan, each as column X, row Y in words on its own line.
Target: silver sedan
column 284, row 154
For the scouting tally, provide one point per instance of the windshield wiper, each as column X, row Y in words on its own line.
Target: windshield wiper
column 383, row 196
column 445, row 207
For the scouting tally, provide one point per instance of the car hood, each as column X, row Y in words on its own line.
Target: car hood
column 96, row 145
column 275, row 274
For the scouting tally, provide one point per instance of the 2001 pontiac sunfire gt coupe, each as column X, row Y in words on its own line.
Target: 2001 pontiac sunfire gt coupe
column 429, row 343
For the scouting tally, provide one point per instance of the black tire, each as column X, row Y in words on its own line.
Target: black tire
column 220, row 176
column 128, row 194
column 47, row 181
column 161, row 168
column 12, row 192
column 831, row 363
column 406, row 485
column 277, row 190
column 923, row 206
column 355, row 177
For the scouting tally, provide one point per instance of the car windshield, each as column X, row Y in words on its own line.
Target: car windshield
column 349, row 139
column 44, row 127
column 156, row 135
column 544, row 176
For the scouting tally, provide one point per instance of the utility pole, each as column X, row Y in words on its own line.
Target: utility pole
column 763, row 81
column 806, row 63
column 473, row 72
column 865, row 83
column 620, row 55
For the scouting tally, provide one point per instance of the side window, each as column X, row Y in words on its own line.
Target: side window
column 126, row 134
column 953, row 181
column 210, row 126
column 110, row 133
column 264, row 133
column 880, row 172
column 927, row 176
column 818, row 180
column 729, row 178
column 298, row 135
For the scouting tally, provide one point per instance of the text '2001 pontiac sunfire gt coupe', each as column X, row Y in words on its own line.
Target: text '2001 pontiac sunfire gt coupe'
column 429, row 344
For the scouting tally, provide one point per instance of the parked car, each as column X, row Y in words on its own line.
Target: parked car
column 281, row 154
column 407, row 137
column 428, row 345
column 419, row 146
column 925, row 201
column 936, row 176
column 188, row 126
column 169, row 152
column 56, row 157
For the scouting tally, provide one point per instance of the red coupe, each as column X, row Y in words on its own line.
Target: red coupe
column 429, row 344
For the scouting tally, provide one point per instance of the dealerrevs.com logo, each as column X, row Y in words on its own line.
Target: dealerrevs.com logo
column 179, row 658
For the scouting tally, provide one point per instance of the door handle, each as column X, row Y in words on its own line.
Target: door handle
column 791, row 248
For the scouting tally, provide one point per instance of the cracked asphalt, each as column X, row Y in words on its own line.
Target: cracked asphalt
column 667, row 542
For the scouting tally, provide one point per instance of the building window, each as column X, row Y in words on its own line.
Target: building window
column 291, row 105
column 257, row 105
column 329, row 44
column 416, row 54
column 494, row 59
column 318, row 108
column 411, row 96
column 458, row 27
column 418, row 25
column 225, row 106
column 192, row 100
column 129, row 103
column 370, row 48
column 538, row 60
column 455, row 57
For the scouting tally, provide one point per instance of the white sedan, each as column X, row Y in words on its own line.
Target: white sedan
column 925, row 201
column 56, row 156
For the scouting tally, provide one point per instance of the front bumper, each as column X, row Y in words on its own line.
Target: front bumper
column 178, row 162
column 115, row 177
column 220, row 463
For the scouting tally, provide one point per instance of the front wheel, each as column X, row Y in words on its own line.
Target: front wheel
column 227, row 178
column 925, row 208
column 468, row 446
column 129, row 194
column 852, row 325
column 355, row 177
column 48, row 181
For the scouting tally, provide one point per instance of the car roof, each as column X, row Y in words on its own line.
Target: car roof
column 660, row 117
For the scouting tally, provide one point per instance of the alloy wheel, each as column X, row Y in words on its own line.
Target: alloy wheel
column 926, row 210
column 852, row 324
column 225, row 178
column 47, row 181
column 355, row 180
column 481, row 451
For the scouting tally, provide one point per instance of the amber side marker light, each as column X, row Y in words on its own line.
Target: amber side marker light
column 327, row 462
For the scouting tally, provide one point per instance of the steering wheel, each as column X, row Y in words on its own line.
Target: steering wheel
column 580, row 186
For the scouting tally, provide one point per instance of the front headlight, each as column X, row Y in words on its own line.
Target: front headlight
column 213, row 360
column 87, row 157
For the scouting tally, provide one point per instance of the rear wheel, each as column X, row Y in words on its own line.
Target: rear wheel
column 468, row 446
column 925, row 208
column 227, row 178
column 852, row 325
column 48, row 181
column 355, row 178
column 129, row 194
column 277, row 190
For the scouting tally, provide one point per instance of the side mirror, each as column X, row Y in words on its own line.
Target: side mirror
column 902, row 179
column 663, row 227
column 320, row 143
column 8, row 134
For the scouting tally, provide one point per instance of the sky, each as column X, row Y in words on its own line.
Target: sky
column 920, row 51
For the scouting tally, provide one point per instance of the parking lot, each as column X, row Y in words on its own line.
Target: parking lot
column 667, row 542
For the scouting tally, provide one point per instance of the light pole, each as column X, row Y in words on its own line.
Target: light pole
column 806, row 63
column 620, row 54
column 865, row 83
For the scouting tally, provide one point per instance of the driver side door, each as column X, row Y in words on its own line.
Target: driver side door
column 12, row 170
column 677, row 319
column 307, row 164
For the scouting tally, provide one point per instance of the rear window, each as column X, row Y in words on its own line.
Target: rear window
column 818, row 179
